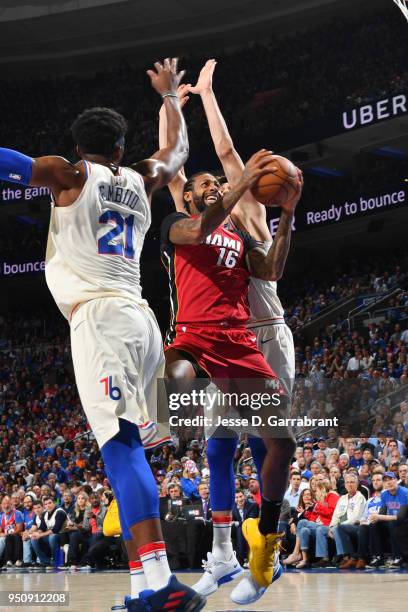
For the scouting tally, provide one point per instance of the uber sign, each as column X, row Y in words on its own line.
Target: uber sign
column 377, row 111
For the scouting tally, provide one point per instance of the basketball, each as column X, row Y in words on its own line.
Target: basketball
column 272, row 189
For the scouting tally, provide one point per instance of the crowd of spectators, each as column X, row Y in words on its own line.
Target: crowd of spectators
column 54, row 489
column 309, row 297
column 336, row 64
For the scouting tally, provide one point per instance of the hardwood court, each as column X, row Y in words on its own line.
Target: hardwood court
column 294, row 592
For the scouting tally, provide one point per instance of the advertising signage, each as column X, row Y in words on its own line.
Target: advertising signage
column 307, row 218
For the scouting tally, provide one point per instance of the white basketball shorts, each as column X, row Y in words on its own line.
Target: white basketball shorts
column 275, row 340
column 117, row 352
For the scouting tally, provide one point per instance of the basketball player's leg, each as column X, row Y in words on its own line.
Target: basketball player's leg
column 110, row 383
column 180, row 365
column 222, row 565
column 262, row 534
column 273, row 455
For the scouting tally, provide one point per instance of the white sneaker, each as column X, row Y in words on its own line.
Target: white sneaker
column 248, row 590
column 19, row 563
column 217, row 573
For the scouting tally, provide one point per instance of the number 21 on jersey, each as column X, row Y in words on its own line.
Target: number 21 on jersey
column 122, row 226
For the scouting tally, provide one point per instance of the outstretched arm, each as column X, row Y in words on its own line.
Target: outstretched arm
column 270, row 266
column 194, row 230
column 163, row 166
column 248, row 212
column 176, row 186
column 224, row 147
column 50, row 171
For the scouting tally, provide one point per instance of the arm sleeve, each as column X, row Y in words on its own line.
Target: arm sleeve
column 43, row 526
column 15, row 167
column 166, row 225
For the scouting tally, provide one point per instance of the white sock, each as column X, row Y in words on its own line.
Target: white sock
column 137, row 578
column 155, row 565
column 222, row 545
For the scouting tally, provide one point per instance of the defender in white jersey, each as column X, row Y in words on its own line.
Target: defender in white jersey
column 273, row 335
column 108, row 221
column 99, row 218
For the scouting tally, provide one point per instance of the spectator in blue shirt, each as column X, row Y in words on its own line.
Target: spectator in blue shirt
column 44, row 451
column 60, row 473
column 190, row 480
column 357, row 459
column 393, row 514
column 29, row 517
column 46, row 471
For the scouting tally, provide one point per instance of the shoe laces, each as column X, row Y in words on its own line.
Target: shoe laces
column 209, row 563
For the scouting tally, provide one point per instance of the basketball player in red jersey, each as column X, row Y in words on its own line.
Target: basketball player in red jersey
column 206, row 260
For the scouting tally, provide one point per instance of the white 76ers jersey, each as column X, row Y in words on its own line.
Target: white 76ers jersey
column 263, row 298
column 94, row 245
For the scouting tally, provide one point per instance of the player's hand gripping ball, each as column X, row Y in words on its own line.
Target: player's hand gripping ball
column 279, row 185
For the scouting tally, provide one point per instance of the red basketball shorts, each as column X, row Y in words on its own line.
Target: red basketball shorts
column 222, row 353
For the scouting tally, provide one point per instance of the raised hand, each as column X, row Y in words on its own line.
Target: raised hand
column 295, row 194
column 182, row 92
column 165, row 78
column 258, row 165
column 204, row 82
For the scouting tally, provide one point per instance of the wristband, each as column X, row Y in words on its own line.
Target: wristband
column 169, row 95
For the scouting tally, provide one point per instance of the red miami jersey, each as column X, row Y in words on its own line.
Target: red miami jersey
column 208, row 281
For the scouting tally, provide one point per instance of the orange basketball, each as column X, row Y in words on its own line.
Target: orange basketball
column 272, row 189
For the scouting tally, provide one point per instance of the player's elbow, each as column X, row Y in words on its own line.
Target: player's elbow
column 225, row 149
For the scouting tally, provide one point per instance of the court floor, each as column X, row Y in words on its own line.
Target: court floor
column 329, row 591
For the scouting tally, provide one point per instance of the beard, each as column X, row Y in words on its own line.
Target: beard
column 199, row 203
